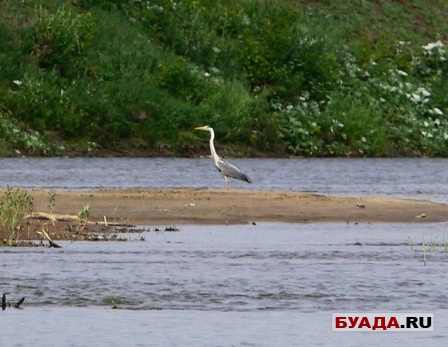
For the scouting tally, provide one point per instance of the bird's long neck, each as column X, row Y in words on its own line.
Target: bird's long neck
column 212, row 146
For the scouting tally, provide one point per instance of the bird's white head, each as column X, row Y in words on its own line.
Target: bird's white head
column 205, row 127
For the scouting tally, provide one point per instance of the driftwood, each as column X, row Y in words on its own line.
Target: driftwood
column 20, row 302
column 16, row 305
column 50, row 241
column 54, row 217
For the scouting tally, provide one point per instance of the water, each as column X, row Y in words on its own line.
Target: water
column 409, row 178
column 264, row 285
column 271, row 284
column 277, row 267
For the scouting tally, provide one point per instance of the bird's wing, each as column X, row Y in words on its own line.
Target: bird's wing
column 230, row 170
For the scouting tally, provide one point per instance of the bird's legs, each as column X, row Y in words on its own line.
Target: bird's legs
column 227, row 183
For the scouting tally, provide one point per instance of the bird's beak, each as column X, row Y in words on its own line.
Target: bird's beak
column 200, row 128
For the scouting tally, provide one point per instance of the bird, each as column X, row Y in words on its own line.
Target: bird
column 224, row 167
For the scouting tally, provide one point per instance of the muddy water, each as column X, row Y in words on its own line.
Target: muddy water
column 230, row 285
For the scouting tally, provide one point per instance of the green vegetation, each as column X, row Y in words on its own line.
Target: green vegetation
column 312, row 78
column 14, row 206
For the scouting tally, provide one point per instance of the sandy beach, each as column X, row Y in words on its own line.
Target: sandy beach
column 213, row 206
column 160, row 208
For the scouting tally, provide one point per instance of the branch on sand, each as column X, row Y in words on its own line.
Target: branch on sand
column 54, row 217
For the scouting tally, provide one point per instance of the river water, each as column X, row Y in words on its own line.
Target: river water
column 271, row 284
column 410, row 178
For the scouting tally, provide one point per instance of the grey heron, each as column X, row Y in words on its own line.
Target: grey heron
column 224, row 167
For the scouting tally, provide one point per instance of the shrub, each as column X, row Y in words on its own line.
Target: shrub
column 14, row 206
column 61, row 39
column 31, row 141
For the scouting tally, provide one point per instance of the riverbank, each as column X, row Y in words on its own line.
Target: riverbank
column 174, row 207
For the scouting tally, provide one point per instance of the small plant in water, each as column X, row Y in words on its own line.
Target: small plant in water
column 412, row 243
column 113, row 301
column 14, row 206
column 431, row 246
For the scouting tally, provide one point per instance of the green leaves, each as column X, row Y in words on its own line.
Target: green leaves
column 324, row 78
column 14, row 206
column 62, row 38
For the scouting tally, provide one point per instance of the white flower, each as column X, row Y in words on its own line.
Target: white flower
column 437, row 121
column 445, row 136
column 206, row 74
column 423, row 91
column 402, row 73
column 431, row 46
column 17, row 82
column 289, row 107
column 437, row 111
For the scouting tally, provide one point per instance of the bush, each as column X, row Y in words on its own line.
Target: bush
column 61, row 39
column 14, row 206
column 321, row 78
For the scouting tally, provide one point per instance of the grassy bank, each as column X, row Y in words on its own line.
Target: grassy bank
column 312, row 78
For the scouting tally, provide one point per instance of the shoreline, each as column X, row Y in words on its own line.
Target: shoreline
column 146, row 207
column 127, row 210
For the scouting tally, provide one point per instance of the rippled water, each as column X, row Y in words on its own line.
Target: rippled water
column 246, row 273
column 412, row 178
column 241, row 268
column 243, row 285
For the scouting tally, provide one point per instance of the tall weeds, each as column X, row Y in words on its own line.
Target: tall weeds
column 14, row 206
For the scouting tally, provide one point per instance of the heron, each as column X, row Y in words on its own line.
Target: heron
column 224, row 167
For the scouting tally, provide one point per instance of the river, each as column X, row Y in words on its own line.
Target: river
column 270, row 284
column 410, row 178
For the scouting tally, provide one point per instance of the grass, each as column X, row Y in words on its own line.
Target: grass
column 14, row 206
column 431, row 246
